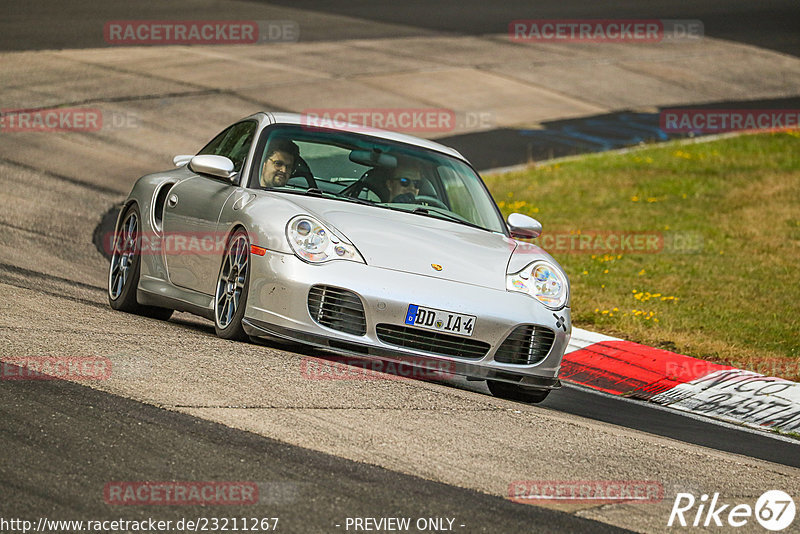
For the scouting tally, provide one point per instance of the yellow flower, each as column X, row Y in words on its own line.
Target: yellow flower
column 641, row 272
column 634, row 199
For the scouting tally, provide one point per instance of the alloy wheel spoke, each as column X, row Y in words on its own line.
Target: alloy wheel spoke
column 235, row 299
column 241, row 257
column 229, row 315
column 221, row 306
column 120, row 285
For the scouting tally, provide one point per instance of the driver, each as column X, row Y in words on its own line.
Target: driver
column 404, row 184
column 279, row 163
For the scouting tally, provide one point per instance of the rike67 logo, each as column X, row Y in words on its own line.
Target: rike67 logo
column 774, row 510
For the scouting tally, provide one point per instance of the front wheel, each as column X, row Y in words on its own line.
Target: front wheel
column 230, row 298
column 516, row 392
column 123, row 273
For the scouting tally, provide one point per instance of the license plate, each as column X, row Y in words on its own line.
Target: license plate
column 440, row 320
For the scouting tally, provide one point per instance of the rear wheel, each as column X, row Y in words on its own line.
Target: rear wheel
column 123, row 273
column 516, row 392
column 233, row 282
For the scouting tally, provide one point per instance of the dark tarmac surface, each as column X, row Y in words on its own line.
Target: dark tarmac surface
column 69, row 441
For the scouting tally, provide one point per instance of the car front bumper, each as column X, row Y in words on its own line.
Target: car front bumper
column 277, row 308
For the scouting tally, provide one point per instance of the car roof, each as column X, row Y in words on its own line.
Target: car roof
column 301, row 120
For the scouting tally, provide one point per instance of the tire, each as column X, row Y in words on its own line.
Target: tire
column 233, row 283
column 514, row 392
column 123, row 272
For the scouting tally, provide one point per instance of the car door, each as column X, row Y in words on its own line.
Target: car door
column 192, row 243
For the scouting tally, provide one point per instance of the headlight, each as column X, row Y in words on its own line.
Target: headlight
column 313, row 242
column 542, row 281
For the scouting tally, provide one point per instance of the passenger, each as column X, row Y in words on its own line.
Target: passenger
column 279, row 164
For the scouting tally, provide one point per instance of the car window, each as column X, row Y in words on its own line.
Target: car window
column 233, row 143
column 392, row 175
column 330, row 162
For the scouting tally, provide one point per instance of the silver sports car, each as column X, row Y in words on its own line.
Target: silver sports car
column 358, row 241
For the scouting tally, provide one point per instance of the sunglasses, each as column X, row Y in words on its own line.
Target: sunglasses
column 281, row 164
column 406, row 182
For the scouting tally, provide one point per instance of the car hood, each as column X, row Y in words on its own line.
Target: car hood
column 418, row 244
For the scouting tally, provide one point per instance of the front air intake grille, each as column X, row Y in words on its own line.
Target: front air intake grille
column 433, row 342
column 338, row 309
column 526, row 345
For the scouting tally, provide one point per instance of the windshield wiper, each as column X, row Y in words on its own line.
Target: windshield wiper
column 357, row 200
column 455, row 218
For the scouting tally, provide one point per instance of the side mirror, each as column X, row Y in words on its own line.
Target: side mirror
column 524, row 227
column 182, row 160
column 218, row 166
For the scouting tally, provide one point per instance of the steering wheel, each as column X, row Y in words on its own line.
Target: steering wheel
column 426, row 200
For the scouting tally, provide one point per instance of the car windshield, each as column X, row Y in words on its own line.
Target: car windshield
column 368, row 170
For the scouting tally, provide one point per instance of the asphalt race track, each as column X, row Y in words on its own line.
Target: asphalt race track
column 184, row 405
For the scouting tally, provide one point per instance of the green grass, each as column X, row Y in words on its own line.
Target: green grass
column 724, row 285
